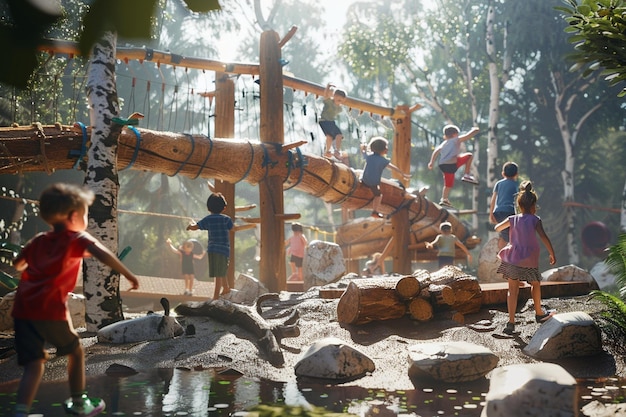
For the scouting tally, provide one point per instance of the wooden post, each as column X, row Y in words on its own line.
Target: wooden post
column 225, row 128
column 272, row 265
column 401, row 158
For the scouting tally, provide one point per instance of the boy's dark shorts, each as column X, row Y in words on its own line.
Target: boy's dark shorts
column 31, row 336
column 375, row 188
column 445, row 260
column 448, row 168
column 330, row 128
column 218, row 265
column 499, row 216
column 296, row 260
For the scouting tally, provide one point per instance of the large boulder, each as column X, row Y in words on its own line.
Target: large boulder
column 454, row 361
column 568, row 273
column 531, row 390
column 323, row 264
column 332, row 358
column 603, row 276
column 247, row 290
column 488, row 262
column 75, row 302
column 565, row 335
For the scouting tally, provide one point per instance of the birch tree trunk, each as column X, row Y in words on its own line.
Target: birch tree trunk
column 565, row 96
column 623, row 214
column 100, row 283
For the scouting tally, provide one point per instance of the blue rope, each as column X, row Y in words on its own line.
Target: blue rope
column 250, row 164
column 83, row 148
column 193, row 147
column 137, row 146
column 205, row 159
column 301, row 165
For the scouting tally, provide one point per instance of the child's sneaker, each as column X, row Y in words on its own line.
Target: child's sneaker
column 89, row 407
column 469, row 178
column 445, row 202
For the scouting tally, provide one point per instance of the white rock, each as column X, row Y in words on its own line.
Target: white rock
column 150, row 327
column 76, row 305
column 488, row 262
column 323, row 264
column 603, row 276
column 332, row 358
column 565, row 335
column 454, row 361
column 567, row 273
column 531, row 390
column 246, row 290
column 598, row 409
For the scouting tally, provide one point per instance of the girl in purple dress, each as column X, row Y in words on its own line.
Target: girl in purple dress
column 520, row 258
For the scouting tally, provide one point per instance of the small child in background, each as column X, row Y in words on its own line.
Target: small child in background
column 374, row 266
column 375, row 164
column 186, row 255
column 503, row 199
column 451, row 159
column 520, row 258
column 447, row 243
column 333, row 100
column 50, row 264
column 218, row 226
column 296, row 245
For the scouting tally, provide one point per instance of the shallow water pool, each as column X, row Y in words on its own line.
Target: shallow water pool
column 183, row 392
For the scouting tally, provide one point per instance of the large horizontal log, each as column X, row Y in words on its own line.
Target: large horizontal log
column 57, row 147
column 367, row 300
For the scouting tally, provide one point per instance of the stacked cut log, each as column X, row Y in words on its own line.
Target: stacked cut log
column 449, row 292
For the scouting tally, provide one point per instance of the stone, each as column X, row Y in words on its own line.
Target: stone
column 332, row 358
column 598, row 409
column 75, row 302
column 247, row 290
column 488, row 262
column 454, row 361
column 141, row 329
column 531, row 390
column 603, row 276
column 567, row 273
column 565, row 335
column 323, row 264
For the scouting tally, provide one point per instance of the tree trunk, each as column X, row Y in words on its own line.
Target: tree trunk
column 103, row 304
column 367, row 300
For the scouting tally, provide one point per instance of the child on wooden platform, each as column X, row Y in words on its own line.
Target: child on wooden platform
column 451, row 159
column 374, row 266
column 186, row 255
column 218, row 226
column 333, row 101
column 447, row 243
column 375, row 164
column 296, row 245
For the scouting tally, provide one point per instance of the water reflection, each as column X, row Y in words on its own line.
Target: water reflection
column 180, row 392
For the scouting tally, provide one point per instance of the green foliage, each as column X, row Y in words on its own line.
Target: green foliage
column 598, row 30
column 616, row 260
column 612, row 321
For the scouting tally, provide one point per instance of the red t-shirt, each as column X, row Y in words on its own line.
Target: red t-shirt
column 54, row 260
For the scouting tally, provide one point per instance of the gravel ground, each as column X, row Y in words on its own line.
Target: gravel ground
column 221, row 345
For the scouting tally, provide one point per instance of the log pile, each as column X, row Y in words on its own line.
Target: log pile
column 421, row 295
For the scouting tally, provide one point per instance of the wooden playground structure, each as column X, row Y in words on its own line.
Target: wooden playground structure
column 274, row 165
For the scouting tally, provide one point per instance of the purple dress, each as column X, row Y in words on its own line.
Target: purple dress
column 523, row 248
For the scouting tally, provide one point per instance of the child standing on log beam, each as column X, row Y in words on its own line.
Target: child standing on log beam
column 218, row 226
column 333, row 100
column 375, row 164
column 520, row 258
column 451, row 159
